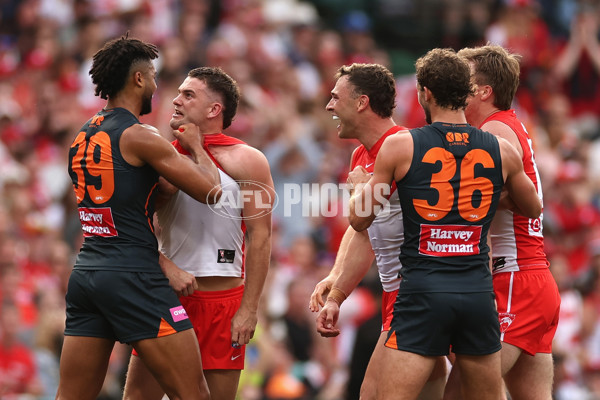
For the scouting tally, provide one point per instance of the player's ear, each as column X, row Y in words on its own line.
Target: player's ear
column 428, row 94
column 363, row 102
column 137, row 78
column 215, row 110
column 486, row 92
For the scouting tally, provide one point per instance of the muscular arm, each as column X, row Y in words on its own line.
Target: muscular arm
column 352, row 262
column 142, row 144
column 357, row 261
column 348, row 243
column 502, row 130
column 254, row 170
column 520, row 188
column 165, row 191
column 354, row 256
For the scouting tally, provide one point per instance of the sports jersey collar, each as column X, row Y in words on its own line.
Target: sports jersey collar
column 493, row 116
column 214, row 139
column 375, row 149
column 439, row 123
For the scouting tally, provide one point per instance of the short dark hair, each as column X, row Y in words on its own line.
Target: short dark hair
column 496, row 67
column 113, row 63
column 447, row 76
column 374, row 81
column 219, row 82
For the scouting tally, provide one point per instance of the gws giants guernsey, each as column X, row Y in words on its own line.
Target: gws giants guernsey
column 205, row 240
column 448, row 197
column 115, row 199
column 386, row 233
column 517, row 241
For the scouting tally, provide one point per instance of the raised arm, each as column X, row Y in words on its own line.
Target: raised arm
column 165, row 191
column 198, row 177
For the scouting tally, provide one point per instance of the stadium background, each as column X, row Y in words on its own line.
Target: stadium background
column 284, row 54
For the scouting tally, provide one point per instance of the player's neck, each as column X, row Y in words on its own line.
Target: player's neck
column 374, row 131
column 210, row 132
column 483, row 114
column 132, row 105
column 448, row 116
column 210, row 128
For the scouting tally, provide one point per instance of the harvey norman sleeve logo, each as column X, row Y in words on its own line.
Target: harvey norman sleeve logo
column 449, row 240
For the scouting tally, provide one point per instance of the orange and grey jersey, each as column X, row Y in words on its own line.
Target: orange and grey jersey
column 518, row 241
column 386, row 233
column 449, row 197
column 115, row 199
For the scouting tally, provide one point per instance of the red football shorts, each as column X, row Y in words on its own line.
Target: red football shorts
column 528, row 307
column 211, row 313
column 387, row 309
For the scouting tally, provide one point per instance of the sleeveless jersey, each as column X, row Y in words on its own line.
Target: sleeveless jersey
column 201, row 239
column 448, row 197
column 115, row 199
column 517, row 241
column 386, row 233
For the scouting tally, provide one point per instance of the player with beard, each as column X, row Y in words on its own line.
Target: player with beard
column 363, row 101
column 117, row 290
column 449, row 176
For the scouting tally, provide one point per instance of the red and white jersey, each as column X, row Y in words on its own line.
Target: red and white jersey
column 201, row 239
column 517, row 241
column 386, row 233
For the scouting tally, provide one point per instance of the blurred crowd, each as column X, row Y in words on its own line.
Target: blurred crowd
column 284, row 54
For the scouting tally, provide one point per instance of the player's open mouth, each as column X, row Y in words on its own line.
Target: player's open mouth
column 336, row 118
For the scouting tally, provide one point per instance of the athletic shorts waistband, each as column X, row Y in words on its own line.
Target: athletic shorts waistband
column 217, row 294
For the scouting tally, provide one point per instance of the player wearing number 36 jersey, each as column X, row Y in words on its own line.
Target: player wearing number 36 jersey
column 449, row 197
column 449, row 177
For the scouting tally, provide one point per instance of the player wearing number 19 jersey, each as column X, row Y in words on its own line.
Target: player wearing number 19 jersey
column 117, row 290
column 115, row 199
column 116, row 205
